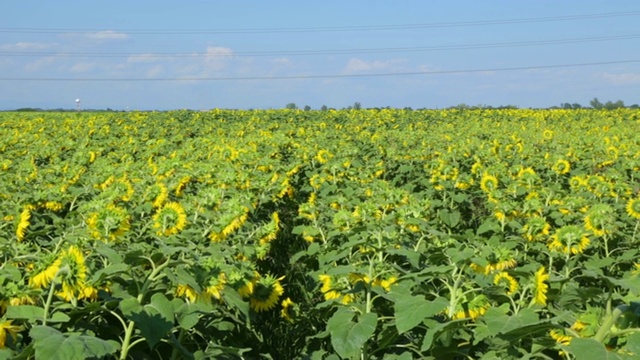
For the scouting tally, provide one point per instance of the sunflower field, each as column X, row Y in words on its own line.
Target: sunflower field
column 349, row 234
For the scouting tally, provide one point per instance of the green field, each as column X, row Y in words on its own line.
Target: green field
column 350, row 234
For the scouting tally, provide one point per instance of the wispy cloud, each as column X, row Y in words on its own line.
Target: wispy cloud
column 622, row 78
column 355, row 65
column 82, row 67
column 217, row 57
column 106, row 35
column 25, row 46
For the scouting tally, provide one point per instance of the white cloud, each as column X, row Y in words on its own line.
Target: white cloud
column 39, row 64
column 621, row 79
column 281, row 61
column 217, row 57
column 155, row 71
column 22, row 46
column 83, row 67
column 106, row 35
column 141, row 58
column 358, row 65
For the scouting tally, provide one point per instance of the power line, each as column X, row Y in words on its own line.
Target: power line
column 30, row 30
column 325, row 52
column 303, row 77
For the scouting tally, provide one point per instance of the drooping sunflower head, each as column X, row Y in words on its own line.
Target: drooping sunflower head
column 74, row 278
column 498, row 260
column 569, row 239
column 488, row 183
column 633, row 208
column 541, row 287
column 266, row 293
column 600, row 219
column 7, row 328
column 170, row 219
column 504, row 280
column 23, row 223
column 157, row 194
column 289, row 309
column 536, row 228
column 45, row 271
column 472, row 309
column 109, row 223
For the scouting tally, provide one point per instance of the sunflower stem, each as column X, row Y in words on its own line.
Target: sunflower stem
column 608, row 322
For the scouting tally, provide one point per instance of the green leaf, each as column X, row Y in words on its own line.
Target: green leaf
column 34, row 313
column 587, row 348
column 488, row 225
column 232, row 298
column 499, row 323
column 412, row 310
column 348, row 337
column 51, row 344
column 154, row 320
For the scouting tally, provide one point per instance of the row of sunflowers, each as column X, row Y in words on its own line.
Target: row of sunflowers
column 443, row 234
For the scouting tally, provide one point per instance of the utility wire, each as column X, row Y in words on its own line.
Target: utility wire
column 303, row 77
column 324, row 52
column 31, row 30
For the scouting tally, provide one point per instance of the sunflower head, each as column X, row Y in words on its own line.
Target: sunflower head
column 561, row 167
column 633, row 208
column 266, row 293
column 569, row 239
column 109, row 223
column 488, row 183
column 600, row 219
column 289, row 309
column 541, row 287
column 73, row 279
column 504, row 280
column 536, row 228
column 170, row 219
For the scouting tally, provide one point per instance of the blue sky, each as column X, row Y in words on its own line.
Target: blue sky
column 140, row 40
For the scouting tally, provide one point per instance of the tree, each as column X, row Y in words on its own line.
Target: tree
column 357, row 106
column 324, row 108
column 307, row 108
column 291, row 106
column 596, row 104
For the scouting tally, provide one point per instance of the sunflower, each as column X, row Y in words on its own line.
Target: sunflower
column 288, row 309
column 216, row 285
column 73, row 280
column 330, row 293
column 159, row 193
column 561, row 167
column 473, row 309
column 535, row 228
column 503, row 278
column 108, row 224
column 231, row 222
column 578, row 183
column 488, row 183
column 547, row 134
column 266, row 293
column 568, row 239
column 541, row 288
column 633, row 208
column 182, row 184
column 170, row 219
column 7, row 328
column 46, row 272
column 600, row 219
column 24, row 223
column 270, row 231
column 186, row 291
column 499, row 260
